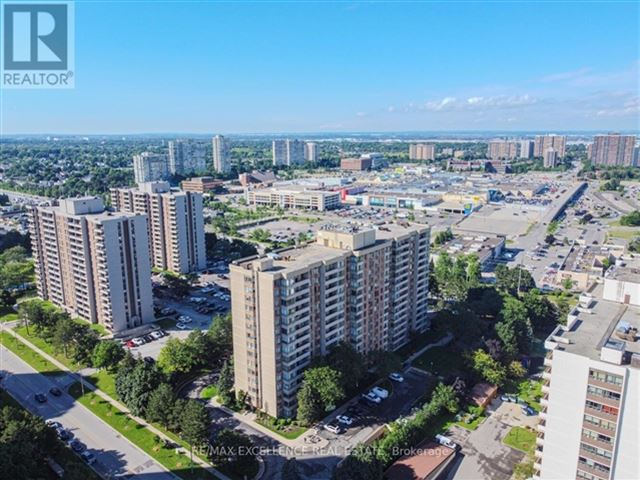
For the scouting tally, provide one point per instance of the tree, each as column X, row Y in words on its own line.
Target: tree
column 516, row 369
column 345, row 359
column 567, row 283
column 107, row 354
column 176, row 356
column 514, row 328
column 631, row 219
column 233, row 450
column 361, row 464
column 290, row 470
column 64, row 335
column 161, row 405
column 309, row 404
column 135, row 385
column 327, row 382
column 541, row 311
column 444, row 398
column 513, row 280
column 487, row 368
column 225, row 382
column 176, row 284
column 385, row 362
column 220, row 336
column 194, row 425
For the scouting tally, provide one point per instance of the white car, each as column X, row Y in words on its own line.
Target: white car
column 372, row 397
column 344, row 419
column 333, row 428
column 182, row 326
column 396, row 377
column 137, row 341
column 53, row 424
column 156, row 334
column 447, row 442
column 380, row 392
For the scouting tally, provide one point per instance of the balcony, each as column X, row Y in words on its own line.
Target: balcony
column 595, row 457
column 593, row 471
column 547, row 361
column 605, row 385
column 597, row 443
column 611, row 402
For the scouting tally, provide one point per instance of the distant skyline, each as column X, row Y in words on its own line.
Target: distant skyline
column 222, row 67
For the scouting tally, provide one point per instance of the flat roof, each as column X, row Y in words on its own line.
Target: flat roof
column 596, row 325
column 629, row 271
column 428, row 457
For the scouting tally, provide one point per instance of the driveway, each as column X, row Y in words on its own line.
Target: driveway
column 483, row 455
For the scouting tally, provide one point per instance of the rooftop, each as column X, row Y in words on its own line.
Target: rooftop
column 593, row 324
column 423, row 462
column 629, row 271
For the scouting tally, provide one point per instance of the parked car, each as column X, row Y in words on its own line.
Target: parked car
column 528, row 411
column 137, row 341
column 40, row 397
column 53, row 424
column 182, row 326
column 88, row 457
column 509, row 398
column 396, row 377
column 447, row 442
column 156, row 334
column 333, row 428
column 149, row 360
column 371, row 397
column 148, row 338
column 344, row 419
column 380, row 392
column 62, row 433
column 55, row 391
column 77, row 446
column 185, row 319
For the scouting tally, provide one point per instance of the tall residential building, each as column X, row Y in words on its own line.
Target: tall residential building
column 150, row 167
column 175, row 224
column 311, row 152
column 544, row 142
column 550, row 158
column 501, row 150
column 613, row 149
column 422, row 151
column 526, row 148
column 187, row 157
column 221, row 160
column 93, row 263
column 588, row 426
column 355, row 284
column 288, row 152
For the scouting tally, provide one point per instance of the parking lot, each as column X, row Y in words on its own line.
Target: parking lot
column 178, row 317
column 369, row 417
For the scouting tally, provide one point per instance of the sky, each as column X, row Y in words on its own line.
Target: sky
column 271, row 67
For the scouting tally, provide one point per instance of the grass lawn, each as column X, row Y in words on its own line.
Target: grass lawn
column 419, row 342
column 139, row 435
column 441, row 361
column 528, row 390
column 521, row 439
column 41, row 364
column 8, row 314
column 209, row 392
column 166, row 323
column 624, row 233
column 290, row 432
column 47, row 348
column 104, row 381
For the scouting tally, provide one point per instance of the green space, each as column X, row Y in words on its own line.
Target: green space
column 528, row 390
column 166, row 323
column 521, row 439
column 46, row 347
column 441, row 361
column 283, row 427
column 104, row 381
column 470, row 419
column 420, row 341
column 209, row 392
column 140, row 436
column 39, row 363
column 8, row 314
column 624, row 233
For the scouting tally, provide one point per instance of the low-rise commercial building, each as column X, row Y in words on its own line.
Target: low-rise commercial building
column 487, row 249
column 292, row 197
column 93, row 263
column 201, row 184
column 357, row 284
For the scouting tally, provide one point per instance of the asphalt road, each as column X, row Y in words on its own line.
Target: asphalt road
column 115, row 456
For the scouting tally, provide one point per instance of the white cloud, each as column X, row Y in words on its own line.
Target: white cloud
column 474, row 103
column 563, row 76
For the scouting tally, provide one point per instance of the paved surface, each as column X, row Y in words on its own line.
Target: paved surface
column 116, row 457
column 483, row 455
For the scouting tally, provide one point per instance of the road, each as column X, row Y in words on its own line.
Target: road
column 116, row 457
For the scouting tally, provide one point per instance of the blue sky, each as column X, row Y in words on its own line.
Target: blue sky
column 204, row 67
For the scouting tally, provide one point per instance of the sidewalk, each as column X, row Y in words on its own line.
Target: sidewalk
column 118, row 405
column 250, row 419
column 443, row 341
